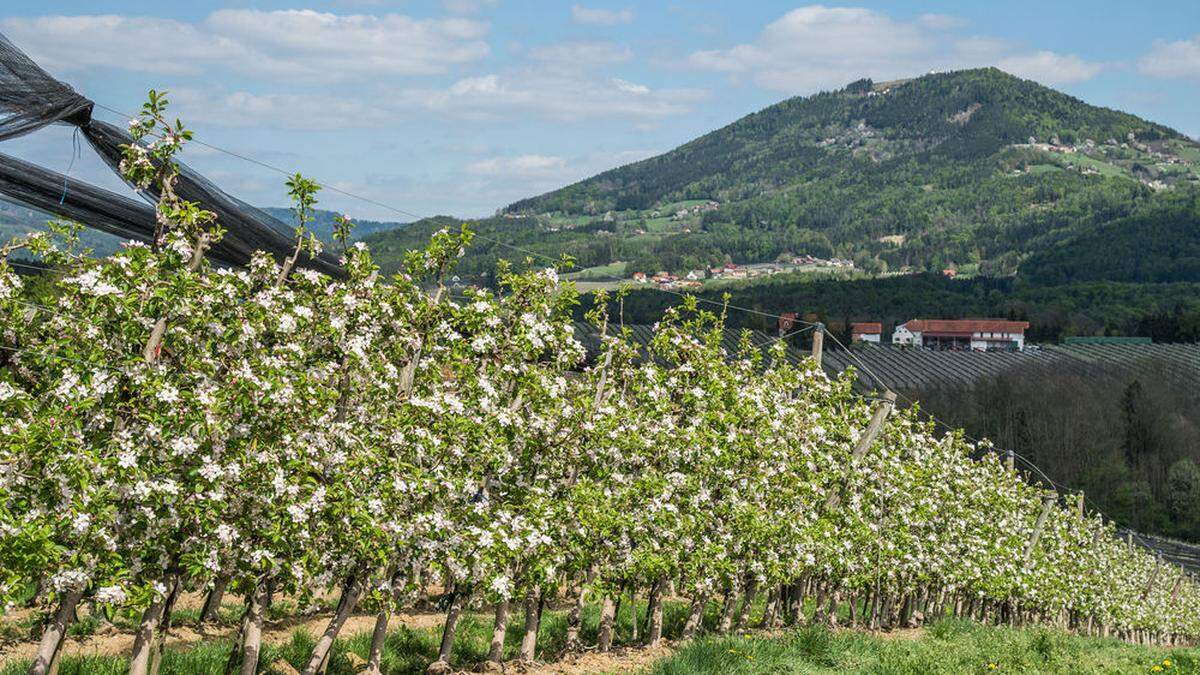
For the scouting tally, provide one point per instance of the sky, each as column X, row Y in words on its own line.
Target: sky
column 460, row 107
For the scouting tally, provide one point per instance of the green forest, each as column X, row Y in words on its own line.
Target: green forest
column 932, row 173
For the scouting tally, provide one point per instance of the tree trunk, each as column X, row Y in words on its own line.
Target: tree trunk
column 729, row 608
column 252, row 641
column 655, row 612
column 378, row 637
column 797, row 600
column 820, row 605
column 575, row 617
column 239, row 639
column 771, row 611
column 695, row 620
column 747, row 604
column 160, row 641
column 608, row 612
column 457, row 600
column 529, row 639
column 55, row 632
column 320, row 653
column 499, row 629
column 633, row 610
column 211, row 611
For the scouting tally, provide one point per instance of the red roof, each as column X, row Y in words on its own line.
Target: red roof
column 866, row 328
column 966, row 326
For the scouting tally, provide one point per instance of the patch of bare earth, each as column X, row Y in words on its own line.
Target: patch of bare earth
column 615, row 661
column 111, row 641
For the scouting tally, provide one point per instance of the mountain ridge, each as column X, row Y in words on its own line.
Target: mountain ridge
column 970, row 170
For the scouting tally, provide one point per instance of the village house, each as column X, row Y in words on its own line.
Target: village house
column 639, row 277
column 787, row 322
column 964, row 334
column 866, row 331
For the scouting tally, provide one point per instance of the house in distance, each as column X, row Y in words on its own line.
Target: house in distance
column 962, row 334
column 866, row 331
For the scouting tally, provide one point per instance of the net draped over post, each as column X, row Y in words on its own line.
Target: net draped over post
column 30, row 99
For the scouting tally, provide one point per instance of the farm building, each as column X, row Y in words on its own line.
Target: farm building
column 962, row 334
column 866, row 331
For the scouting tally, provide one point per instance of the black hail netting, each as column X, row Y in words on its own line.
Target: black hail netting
column 43, row 189
column 31, row 99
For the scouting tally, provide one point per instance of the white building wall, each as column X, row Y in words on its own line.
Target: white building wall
column 986, row 341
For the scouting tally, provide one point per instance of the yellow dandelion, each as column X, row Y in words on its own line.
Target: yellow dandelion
column 1166, row 663
column 1156, row 669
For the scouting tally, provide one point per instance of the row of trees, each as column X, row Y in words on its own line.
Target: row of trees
column 1127, row 435
column 171, row 425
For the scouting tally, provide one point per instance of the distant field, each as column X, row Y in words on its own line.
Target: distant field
column 661, row 224
column 1036, row 169
column 1188, row 152
column 1077, row 159
column 600, row 272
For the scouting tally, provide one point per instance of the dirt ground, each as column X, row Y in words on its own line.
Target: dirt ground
column 111, row 641
column 616, row 661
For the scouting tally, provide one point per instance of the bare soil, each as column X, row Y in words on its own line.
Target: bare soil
column 112, row 641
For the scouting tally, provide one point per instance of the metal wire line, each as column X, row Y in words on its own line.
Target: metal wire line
column 1061, row 488
column 535, row 254
column 403, row 212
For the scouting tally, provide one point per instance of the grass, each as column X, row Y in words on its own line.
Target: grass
column 1036, row 169
column 614, row 270
column 1079, row 159
column 948, row 646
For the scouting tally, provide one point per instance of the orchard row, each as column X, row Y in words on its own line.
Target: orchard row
column 170, row 425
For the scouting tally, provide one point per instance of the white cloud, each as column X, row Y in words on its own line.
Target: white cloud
column 468, row 6
column 521, row 166
column 162, row 46
column 309, row 112
column 941, row 21
column 503, row 179
column 1179, row 59
column 550, row 93
column 600, row 17
column 301, row 45
column 559, row 95
column 582, row 54
column 818, row 47
column 1050, row 68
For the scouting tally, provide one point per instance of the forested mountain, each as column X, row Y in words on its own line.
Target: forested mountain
column 973, row 170
column 322, row 223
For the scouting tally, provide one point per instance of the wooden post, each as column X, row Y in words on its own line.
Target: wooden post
column 818, row 344
column 1153, row 576
column 864, row 442
column 1011, row 460
column 1047, row 504
column 1080, row 504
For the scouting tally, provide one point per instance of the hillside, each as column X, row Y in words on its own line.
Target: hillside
column 322, row 223
column 16, row 220
column 972, row 170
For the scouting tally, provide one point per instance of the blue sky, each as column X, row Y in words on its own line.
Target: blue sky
column 462, row 106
